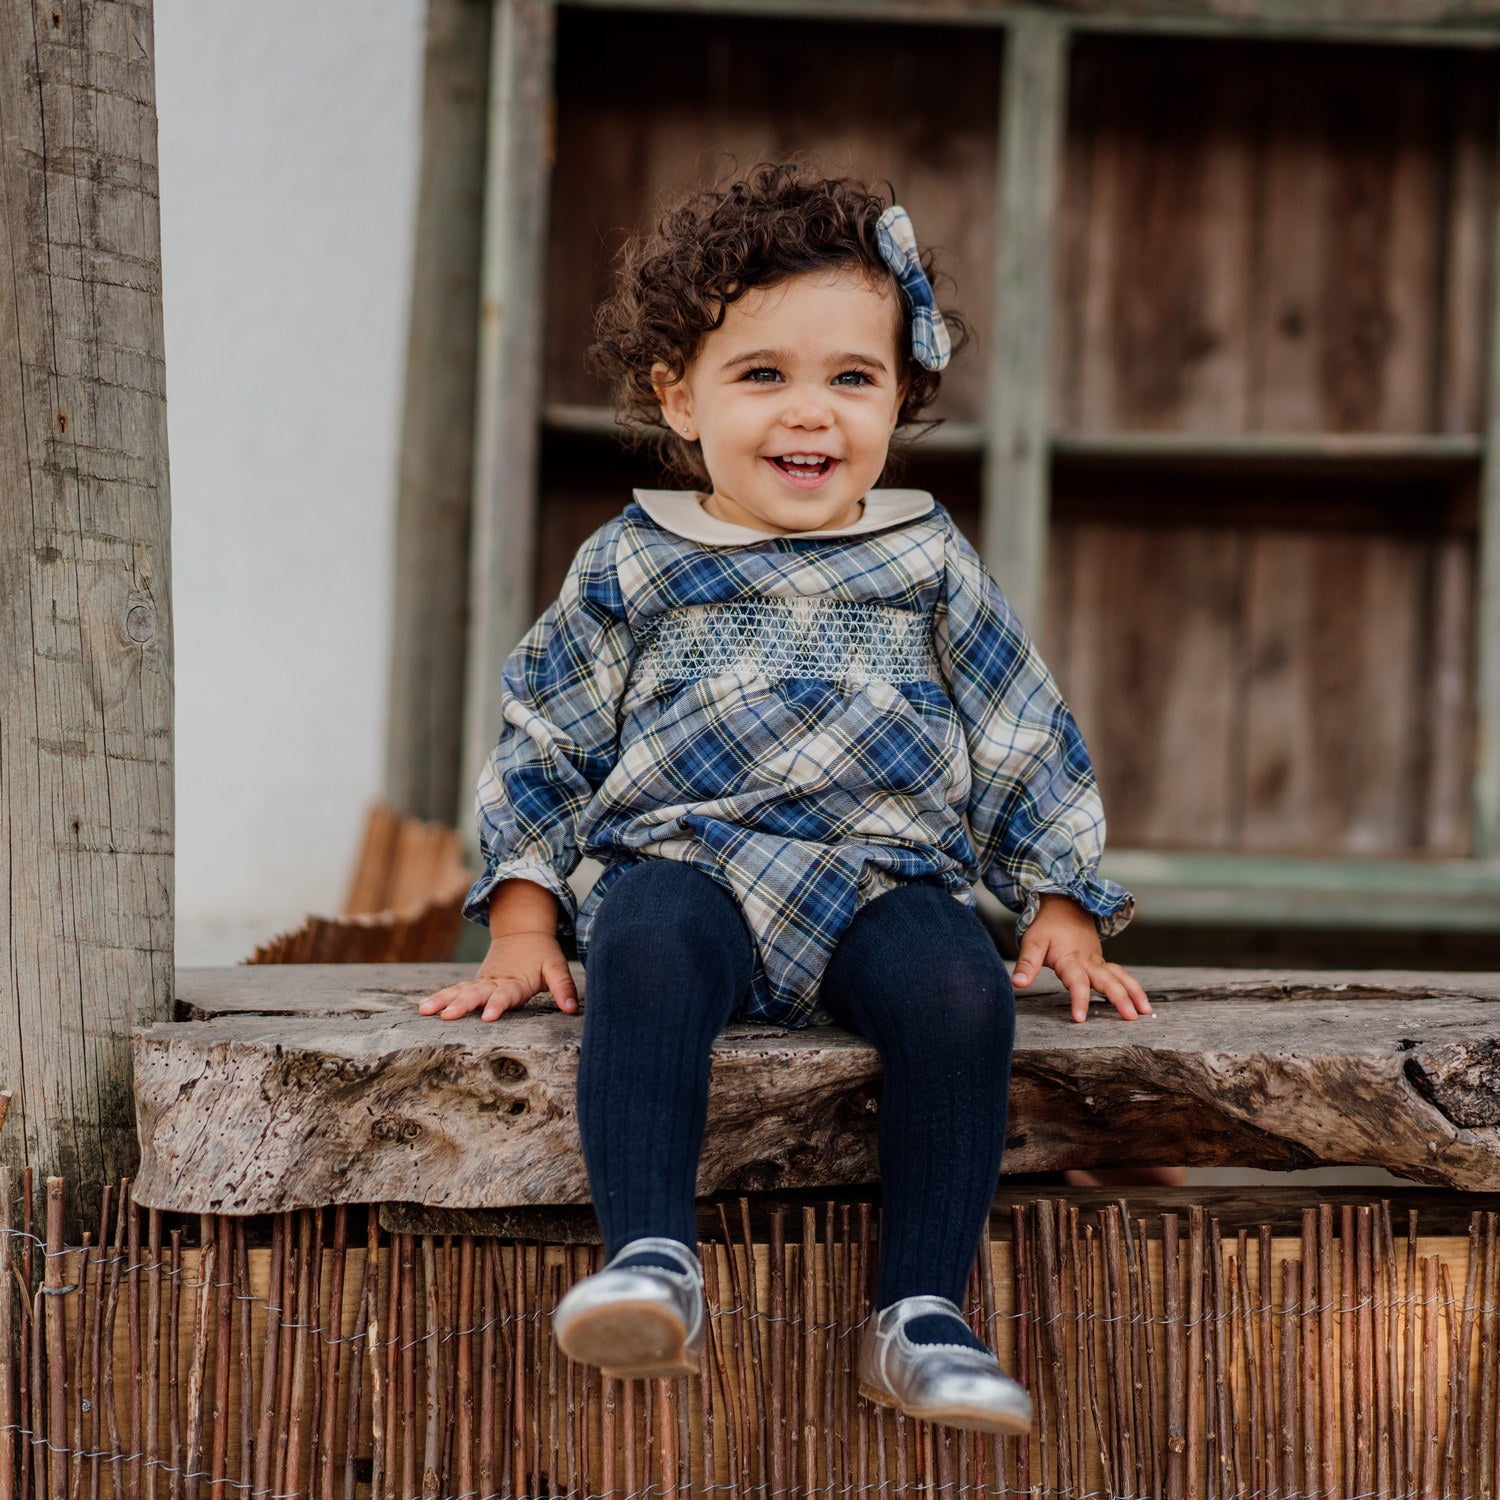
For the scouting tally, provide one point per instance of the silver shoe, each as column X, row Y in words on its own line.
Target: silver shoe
column 947, row 1383
column 636, row 1321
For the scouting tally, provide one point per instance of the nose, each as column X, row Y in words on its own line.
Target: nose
column 806, row 408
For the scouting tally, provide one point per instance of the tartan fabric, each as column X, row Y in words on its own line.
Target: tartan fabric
column 930, row 340
column 804, row 795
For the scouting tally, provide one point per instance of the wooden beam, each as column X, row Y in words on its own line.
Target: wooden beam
column 518, row 177
column 1258, row 890
column 424, row 718
column 1451, row 23
column 320, row 1084
column 86, row 810
column 1384, row 453
column 1438, row 453
column 1279, row 1207
column 1487, row 598
column 1015, row 505
column 599, row 422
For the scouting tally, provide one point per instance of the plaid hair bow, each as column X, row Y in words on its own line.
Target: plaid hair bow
column 898, row 247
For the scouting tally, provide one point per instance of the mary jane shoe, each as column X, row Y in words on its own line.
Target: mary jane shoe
column 636, row 1321
column 948, row 1383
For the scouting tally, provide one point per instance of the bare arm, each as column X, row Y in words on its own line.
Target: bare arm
column 524, row 959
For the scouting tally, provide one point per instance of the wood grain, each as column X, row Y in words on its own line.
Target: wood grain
column 1252, row 679
column 1272, row 237
column 1146, row 619
column 1486, row 811
column 321, row 1085
column 86, row 807
column 1018, row 414
column 1332, row 682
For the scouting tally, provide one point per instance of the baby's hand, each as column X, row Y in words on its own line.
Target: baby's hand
column 1062, row 937
column 516, row 968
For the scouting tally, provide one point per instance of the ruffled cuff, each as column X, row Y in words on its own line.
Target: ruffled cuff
column 477, row 902
column 1110, row 905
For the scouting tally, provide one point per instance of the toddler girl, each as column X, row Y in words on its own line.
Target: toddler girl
column 796, row 721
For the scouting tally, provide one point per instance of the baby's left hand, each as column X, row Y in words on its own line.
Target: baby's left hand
column 1062, row 937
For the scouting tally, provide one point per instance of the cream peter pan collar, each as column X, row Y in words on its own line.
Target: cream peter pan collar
column 681, row 511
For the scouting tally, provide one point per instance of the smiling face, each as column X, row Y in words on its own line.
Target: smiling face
column 793, row 400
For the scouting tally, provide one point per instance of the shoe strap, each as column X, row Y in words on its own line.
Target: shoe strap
column 906, row 1308
column 659, row 1245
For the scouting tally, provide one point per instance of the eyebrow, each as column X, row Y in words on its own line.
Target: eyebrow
column 782, row 356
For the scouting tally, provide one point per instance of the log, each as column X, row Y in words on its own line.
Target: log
column 298, row 1086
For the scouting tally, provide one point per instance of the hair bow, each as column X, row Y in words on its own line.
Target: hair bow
column 898, row 248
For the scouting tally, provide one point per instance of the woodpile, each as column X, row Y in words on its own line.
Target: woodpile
column 320, row 1355
column 404, row 902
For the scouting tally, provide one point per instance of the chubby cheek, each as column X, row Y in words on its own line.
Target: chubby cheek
column 733, row 428
column 732, row 450
column 875, row 439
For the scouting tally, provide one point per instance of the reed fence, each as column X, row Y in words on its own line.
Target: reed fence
column 339, row 1361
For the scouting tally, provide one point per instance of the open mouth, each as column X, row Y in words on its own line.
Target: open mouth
column 805, row 468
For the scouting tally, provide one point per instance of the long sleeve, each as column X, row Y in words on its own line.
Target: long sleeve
column 1034, row 810
column 560, row 695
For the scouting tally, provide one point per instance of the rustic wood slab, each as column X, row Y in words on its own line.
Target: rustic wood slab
column 299, row 1085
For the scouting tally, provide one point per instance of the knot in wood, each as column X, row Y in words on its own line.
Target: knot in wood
column 140, row 624
column 509, row 1070
column 1461, row 1078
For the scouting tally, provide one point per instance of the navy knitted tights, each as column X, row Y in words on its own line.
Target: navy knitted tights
column 669, row 961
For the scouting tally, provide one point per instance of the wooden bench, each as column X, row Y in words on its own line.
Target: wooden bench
column 303, row 1085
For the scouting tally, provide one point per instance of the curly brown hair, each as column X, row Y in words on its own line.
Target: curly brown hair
column 711, row 246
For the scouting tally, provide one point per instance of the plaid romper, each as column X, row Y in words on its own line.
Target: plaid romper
column 808, row 719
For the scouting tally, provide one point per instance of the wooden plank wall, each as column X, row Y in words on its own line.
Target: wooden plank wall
column 1248, row 679
column 1273, row 237
column 914, row 105
column 1288, row 239
column 1253, row 238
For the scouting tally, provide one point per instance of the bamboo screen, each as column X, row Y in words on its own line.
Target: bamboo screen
column 1166, row 1360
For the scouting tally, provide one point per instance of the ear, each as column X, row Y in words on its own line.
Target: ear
column 676, row 401
column 902, row 387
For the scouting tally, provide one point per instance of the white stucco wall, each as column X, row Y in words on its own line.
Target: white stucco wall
column 289, row 143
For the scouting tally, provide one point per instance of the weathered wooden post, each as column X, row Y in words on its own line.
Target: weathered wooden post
column 431, row 596
column 86, row 813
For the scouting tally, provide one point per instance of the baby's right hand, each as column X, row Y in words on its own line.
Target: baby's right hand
column 516, row 968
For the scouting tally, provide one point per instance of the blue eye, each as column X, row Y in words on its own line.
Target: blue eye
column 859, row 376
column 762, row 370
